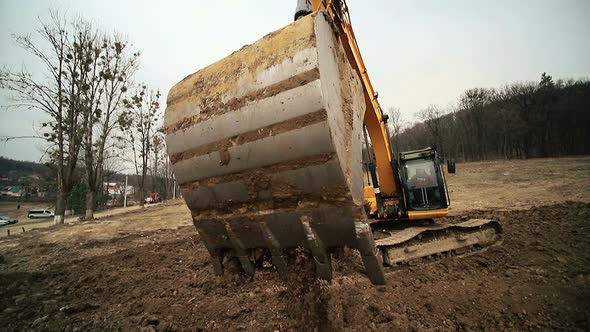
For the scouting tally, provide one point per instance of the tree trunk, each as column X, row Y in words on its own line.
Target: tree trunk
column 89, row 204
column 60, row 208
column 141, row 197
column 142, row 188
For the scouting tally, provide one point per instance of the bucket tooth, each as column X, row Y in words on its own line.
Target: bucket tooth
column 215, row 253
column 319, row 252
column 385, row 258
column 278, row 259
column 217, row 261
column 241, row 251
column 369, row 254
column 281, row 264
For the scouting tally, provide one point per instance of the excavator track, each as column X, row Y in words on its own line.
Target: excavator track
column 398, row 246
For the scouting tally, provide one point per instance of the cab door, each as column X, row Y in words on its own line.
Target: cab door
column 422, row 180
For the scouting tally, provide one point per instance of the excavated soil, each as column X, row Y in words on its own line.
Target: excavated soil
column 538, row 278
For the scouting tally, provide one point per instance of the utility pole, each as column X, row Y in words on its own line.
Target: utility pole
column 125, row 193
column 173, row 188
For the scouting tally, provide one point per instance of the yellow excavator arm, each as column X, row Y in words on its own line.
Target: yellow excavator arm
column 386, row 199
column 375, row 121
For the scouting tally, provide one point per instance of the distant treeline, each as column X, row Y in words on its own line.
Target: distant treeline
column 521, row 120
column 16, row 168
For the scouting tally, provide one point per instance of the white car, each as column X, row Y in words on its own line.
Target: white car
column 40, row 213
column 7, row 221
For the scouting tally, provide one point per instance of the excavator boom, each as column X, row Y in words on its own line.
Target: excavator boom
column 374, row 118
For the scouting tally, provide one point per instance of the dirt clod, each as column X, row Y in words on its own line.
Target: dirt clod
column 76, row 308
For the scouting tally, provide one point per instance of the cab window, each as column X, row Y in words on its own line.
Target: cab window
column 424, row 191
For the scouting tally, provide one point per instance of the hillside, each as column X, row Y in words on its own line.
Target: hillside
column 14, row 172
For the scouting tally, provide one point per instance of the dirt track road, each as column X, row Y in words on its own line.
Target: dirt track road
column 28, row 226
column 148, row 270
column 31, row 224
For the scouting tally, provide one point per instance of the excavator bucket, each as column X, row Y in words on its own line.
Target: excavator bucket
column 266, row 147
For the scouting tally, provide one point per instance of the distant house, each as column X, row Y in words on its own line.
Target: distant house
column 114, row 188
column 14, row 191
column 130, row 190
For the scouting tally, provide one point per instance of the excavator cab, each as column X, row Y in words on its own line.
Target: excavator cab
column 422, row 180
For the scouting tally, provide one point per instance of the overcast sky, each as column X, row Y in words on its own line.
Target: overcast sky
column 417, row 52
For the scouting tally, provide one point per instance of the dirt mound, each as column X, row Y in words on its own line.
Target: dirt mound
column 538, row 278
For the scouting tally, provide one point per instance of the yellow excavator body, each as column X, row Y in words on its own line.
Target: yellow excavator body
column 267, row 147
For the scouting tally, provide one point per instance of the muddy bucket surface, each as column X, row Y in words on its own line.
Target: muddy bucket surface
column 266, row 147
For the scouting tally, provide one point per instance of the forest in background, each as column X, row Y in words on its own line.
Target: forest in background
column 548, row 118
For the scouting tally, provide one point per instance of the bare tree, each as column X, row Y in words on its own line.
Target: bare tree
column 54, row 92
column 432, row 117
column 140, row 124
column 114, row 68
column 162, row 176
column 81, row 88
column 84, row 67
column 395, row 124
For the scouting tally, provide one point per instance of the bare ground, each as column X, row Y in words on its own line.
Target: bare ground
column 149, row 271
column 519, row 184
